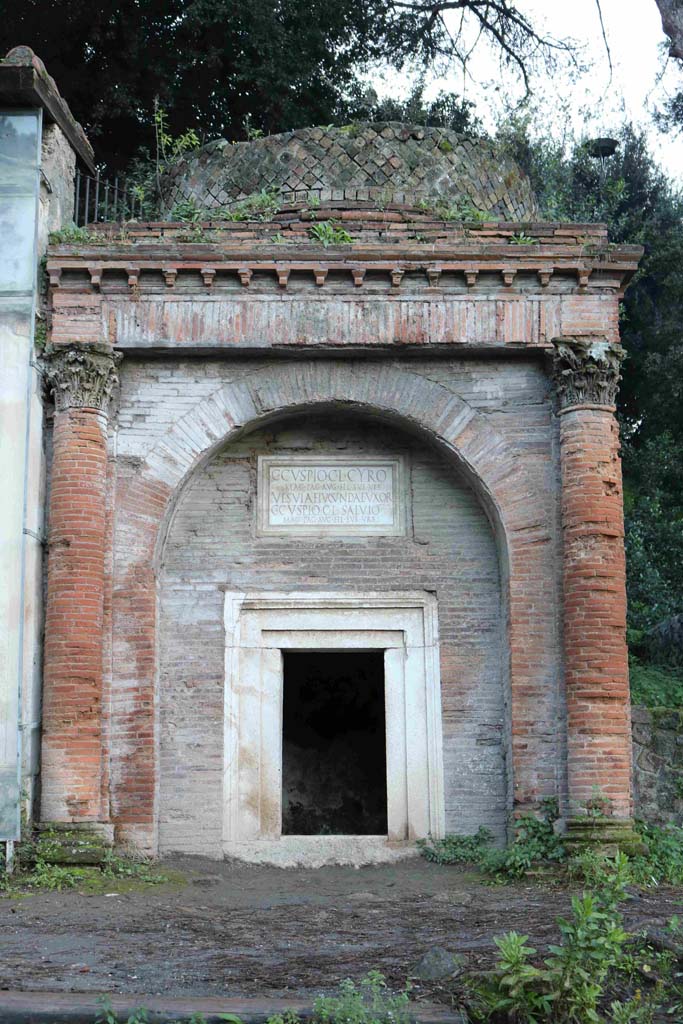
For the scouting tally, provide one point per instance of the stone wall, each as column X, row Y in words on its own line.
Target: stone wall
column 658, row 765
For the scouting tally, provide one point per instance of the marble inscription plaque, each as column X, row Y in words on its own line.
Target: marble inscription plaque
column 330, row 495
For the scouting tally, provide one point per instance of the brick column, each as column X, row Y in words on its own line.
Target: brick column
column 594, row 584
column 82, row 379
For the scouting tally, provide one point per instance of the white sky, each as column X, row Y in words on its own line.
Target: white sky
column 642, row 76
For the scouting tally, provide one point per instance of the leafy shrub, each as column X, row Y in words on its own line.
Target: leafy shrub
column 371, row 1002
column 53, row 877
column 655, row 686
column 664, row 861
column 572, row 981
column 188, row 212
column 457, row 849
column 535, row 841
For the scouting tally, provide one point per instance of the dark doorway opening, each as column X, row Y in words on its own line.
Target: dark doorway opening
column 333, row 744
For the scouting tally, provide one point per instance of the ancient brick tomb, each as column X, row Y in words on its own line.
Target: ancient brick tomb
column 273, row 454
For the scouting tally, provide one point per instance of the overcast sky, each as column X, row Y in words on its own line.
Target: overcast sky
column 642, row 75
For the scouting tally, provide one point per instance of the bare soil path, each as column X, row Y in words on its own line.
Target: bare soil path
column 234, row 929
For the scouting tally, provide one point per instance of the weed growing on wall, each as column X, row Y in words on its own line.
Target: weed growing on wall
column 328, row 232
column 260, row 206
column 72, row 235
column 461, row 210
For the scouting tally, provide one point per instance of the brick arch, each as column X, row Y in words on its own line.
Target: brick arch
column 145, row 506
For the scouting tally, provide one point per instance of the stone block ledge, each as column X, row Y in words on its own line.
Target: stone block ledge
column 83, row 1008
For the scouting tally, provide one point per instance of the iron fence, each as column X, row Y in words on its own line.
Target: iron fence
column 98, row 200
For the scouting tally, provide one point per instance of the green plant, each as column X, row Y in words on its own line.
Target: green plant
column 187, row 211
column 73, row 235
column 53, row 877
column 663, row 862
column 571, row 981
column 168, row 148
column 107, row 1015
column 517, row 990
column 40, row 334
column 329, row 233
column 460, row 210
column 249, row 130
column 261, row 206
column 352, row 130
column 457, row 849
column 288, row 1017
column 521, row 239
column 114, row 866
column 371, row 1002
column 635, row 1011
column 384, row 199
column 655, row 686
column 598, row 805
column 535, row 842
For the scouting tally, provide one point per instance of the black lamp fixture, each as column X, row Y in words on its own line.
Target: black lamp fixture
column 601, row 148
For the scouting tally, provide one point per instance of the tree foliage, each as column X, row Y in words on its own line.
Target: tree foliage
column 215, row 65
column 639, row 205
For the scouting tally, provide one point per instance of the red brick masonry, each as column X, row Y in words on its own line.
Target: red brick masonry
column 596, row 662
column 72, row 747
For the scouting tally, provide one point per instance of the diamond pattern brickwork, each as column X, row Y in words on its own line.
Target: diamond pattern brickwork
column 374, row 163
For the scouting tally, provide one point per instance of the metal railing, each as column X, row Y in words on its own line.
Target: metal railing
column 98, row 200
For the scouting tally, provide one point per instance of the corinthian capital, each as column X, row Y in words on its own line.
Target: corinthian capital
column 586, row 370
column 81, row 376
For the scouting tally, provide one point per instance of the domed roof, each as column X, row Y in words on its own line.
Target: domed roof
column 358, row 163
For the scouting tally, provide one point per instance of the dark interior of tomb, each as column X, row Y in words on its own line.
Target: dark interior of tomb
column 333, row 744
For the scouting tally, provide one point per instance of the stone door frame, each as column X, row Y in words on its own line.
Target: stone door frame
column 258, row 627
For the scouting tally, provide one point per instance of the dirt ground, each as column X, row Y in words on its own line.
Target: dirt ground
column 233, row 929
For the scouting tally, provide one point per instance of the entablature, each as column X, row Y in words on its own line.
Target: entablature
column 477, row 289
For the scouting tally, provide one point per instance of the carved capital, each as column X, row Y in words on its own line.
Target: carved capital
column 81, row 376
column 586, row 370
